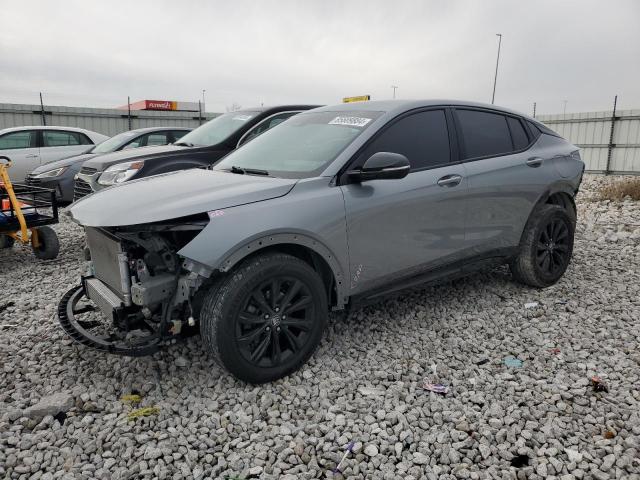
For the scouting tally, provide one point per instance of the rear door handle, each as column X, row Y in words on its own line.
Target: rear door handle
column 534, row 162
column 31, row 155
column 450, row 180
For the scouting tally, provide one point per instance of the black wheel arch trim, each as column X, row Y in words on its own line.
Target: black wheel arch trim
column 263, row 242
column 560, row 186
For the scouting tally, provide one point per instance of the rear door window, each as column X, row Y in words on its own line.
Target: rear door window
column 178, row 134
column 265, row 125
column 484, row 134
column 519, row 136
column 422, row 137
column 15, row 140
column 157, row 138
column 54, row 138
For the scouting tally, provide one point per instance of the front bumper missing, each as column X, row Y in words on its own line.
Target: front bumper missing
column 70, row 312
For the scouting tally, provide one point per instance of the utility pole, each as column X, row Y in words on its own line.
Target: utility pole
column 203, row 107
column 534, row 109
column 611, row 145
column 395, row 87
column 564, row 110
column 495, row 79
column 199, row 112
column 44, row 120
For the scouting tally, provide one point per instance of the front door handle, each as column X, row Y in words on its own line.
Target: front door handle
column 31, row 155
column 450, row 180
column 534, row 162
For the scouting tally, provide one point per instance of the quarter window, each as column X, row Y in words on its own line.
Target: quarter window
column 60, row 139
column 519, row 136
column 422, row 137
column 18, row 140
column 484, row 134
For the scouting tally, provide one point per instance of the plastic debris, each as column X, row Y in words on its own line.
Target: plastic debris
column 513, row 362
column 143, row 412
column 133, row 399
column 531, row 305
column 609, row 434
column 438, row 388
column 344, row 456
column 482, row 362
column 598, row 384
column 554, row 351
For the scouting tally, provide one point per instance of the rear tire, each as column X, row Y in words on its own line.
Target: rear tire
column 48, row 247
column 546, row 247
column 6, row 241
column 265, row 318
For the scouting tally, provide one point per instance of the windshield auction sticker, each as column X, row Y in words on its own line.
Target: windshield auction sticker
column 350, row 121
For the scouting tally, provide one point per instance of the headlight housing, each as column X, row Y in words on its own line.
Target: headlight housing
column 56, row 172
column 120, row 172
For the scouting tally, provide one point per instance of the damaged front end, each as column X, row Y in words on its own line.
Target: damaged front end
column 137, row 295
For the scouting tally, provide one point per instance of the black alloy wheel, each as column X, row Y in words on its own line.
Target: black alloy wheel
column 553, row 246
column 275, row 321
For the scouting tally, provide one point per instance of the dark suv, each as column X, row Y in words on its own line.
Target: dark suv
column 333, row 208
column 202, row 147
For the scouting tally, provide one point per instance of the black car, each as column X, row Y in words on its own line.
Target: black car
column 59, row 175
column 202, row 147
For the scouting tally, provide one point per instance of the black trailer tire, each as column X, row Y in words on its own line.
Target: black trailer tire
column 6, row 241
column 546, row 247
column 265, row 318
column 49, row 245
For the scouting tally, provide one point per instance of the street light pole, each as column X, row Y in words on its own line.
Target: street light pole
column 395, row 87
column 495, row 79
column 564, row 111
column 203, row 99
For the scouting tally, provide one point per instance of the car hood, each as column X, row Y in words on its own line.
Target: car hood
column 101, row 162
column 65, row 162
column 174, row 195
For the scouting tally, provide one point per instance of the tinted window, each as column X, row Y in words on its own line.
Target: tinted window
column 18, row 140
column 421, row 137
column 84, row 140
column 60, row 139
column 519, row 136
column 484, row 133
column 266, row 125
column 178, row 134
column 533, row 128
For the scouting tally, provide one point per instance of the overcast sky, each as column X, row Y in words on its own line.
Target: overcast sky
column 95, row 53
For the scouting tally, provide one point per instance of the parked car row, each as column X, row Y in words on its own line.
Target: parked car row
column 332, row 208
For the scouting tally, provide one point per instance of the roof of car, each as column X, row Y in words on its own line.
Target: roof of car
column 156, row 129
column 278, row 108
column 405, row 105
column 42, row 127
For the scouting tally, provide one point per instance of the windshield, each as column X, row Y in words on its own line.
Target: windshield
column 113, row 143
column 218, row 129
column 302, row 146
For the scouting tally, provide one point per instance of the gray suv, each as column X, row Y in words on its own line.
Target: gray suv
column 333, row 208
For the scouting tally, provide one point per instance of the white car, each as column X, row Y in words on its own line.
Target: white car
column 30, row 147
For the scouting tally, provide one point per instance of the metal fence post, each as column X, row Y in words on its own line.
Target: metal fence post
column 129, row 112
column 44, row 119
column 199, row 113
column 611, row 145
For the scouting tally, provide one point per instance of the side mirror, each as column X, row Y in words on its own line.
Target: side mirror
column 382, row 166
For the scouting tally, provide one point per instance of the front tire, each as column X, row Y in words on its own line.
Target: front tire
column 266, row 318
column 546, row 247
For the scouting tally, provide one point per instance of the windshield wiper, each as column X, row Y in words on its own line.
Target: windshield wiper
column 185, row 144
column 248, row 171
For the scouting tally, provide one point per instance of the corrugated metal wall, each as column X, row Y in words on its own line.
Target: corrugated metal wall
column 102, row 120
column 591, row 131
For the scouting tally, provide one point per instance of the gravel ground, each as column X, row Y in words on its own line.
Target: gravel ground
column 540, row 420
